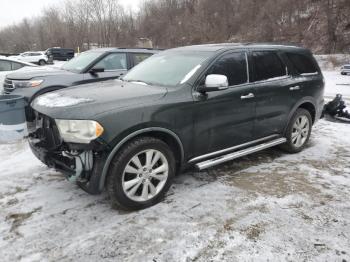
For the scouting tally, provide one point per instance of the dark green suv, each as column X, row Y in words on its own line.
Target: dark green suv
column 191, row 106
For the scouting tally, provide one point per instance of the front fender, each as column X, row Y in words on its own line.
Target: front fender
column 128, row 138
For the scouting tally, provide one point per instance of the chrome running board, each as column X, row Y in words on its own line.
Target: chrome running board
column 237, row 154
column 230, row 149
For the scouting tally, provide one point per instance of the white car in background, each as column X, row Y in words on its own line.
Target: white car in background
column 33, row 57
column 345, row 69
column 8, row 65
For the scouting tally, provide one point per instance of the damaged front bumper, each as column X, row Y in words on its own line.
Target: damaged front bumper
column 80, row 163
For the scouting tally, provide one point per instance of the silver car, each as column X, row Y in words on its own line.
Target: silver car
column 345, row 69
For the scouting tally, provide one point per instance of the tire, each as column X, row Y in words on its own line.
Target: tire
column 298, row 132
column 42, row 62
column 129, row 195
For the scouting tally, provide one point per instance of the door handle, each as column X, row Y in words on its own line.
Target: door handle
column 293, row 88
column 250, row 95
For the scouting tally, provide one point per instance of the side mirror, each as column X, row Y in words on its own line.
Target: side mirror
column 96, row 70
column 214, row 83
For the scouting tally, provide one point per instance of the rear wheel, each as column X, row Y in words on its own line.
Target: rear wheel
column 298, row 131
column 140, row 174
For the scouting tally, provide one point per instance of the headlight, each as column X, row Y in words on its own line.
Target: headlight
column 25, row 84
column 79, row 131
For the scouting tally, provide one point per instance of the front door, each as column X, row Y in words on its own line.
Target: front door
column 114, row 65
column 225, row 118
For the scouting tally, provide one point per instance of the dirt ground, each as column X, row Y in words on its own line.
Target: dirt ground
column 269, row 206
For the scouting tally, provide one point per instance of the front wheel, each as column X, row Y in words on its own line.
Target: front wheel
column 140, row 174
column 298, row 131
column 42, row 62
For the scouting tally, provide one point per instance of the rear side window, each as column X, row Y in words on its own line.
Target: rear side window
column 268, row 65
column 16, row 66
column 234, row 66
column 138, row 58
column 303, row 64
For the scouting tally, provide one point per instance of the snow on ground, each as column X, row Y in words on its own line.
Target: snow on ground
column 267, row 206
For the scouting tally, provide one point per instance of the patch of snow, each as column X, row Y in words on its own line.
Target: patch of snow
column 59, row 100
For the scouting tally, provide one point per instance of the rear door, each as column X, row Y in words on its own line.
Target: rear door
column 114, row 65
column 276, row 92
column 225, row 118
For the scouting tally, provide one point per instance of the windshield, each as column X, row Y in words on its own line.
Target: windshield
column 80, row 62
column 167, row 68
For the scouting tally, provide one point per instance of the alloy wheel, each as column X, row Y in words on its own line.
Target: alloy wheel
column 145, row 175
column 300, row 131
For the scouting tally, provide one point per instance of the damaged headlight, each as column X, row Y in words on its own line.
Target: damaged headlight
column 79, row 131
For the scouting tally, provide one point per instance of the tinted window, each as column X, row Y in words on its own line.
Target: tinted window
column 268, row 65
column 302, row 63
column 234, row 66
column 138, row 58
column 5, row 66
column 16, row 66
column 113, row 62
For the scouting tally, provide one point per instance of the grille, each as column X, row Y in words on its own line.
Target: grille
column 8, row 86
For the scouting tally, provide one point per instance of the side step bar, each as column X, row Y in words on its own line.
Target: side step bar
column 237, row 154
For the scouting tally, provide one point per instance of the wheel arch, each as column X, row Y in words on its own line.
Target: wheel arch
column 307, row 103
column 166, row 135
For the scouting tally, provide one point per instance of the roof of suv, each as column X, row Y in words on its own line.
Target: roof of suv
column 129, row 50
column 224, row 46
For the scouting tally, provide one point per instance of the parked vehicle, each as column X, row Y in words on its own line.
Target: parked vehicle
column 62, row 54
column 32, row 57
column 91, row 66
column 8, row 65
column 345, row 69
column 192, row 106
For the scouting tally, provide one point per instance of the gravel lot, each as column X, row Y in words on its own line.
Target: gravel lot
column 267, row 206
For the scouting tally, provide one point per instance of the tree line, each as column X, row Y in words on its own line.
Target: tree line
column 322, row 25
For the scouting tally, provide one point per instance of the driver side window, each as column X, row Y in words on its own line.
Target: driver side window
column 234, row 66
column 112, row 62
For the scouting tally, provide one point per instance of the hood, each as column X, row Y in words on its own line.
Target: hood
column 36, row 72
column 88, row 101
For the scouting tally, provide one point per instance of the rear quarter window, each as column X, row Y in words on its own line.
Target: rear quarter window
column 268, row 65
column 303, row 64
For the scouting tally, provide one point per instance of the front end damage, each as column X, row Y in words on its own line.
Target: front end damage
column 80, row 163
